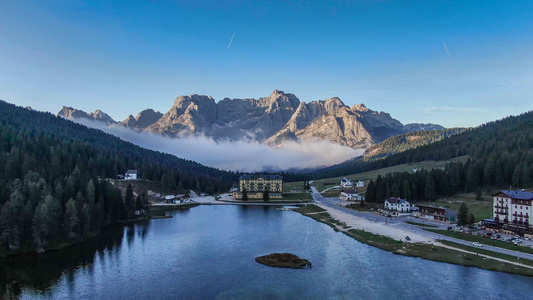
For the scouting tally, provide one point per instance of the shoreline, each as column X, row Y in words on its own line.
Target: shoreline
column 390, row 239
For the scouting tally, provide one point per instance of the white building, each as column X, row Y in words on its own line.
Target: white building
column 397, row 205
column 131, row 175
column 513, row 208
column 350, row 195
column 360, row 184
column 345, row 182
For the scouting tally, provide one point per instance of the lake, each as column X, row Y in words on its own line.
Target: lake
column 208, row 252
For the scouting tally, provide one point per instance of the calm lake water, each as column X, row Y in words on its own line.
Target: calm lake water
column 208, row 252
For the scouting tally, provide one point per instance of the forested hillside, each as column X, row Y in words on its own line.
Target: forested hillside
column 500, row 154
column 408, row 141
column 53, row 186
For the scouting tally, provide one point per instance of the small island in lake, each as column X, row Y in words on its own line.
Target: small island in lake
column 284, row 260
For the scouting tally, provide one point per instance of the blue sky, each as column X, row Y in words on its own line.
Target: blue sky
column 122, row 57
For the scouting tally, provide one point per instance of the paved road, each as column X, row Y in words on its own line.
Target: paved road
column 399, row 222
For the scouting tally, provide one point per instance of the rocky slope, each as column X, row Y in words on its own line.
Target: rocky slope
column 273, row 120
column 144, row 119
column 74, row 114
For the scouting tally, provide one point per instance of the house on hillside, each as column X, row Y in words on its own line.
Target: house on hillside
column 350, row 195
column 345, row 182
column 360, row 184
column 395, row 207
column 131, row 175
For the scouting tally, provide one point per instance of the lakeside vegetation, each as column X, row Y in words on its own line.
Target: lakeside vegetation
column 488, row 252
column 54, row 187
column 425, row 251
column 482, row 240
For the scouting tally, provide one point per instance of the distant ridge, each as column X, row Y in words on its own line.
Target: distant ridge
column 272, row 120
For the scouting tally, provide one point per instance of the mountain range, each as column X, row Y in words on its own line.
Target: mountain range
column 272, row 120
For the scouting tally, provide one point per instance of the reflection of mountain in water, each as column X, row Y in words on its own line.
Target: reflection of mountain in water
column 39, row 272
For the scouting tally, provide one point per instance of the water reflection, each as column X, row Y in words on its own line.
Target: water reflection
column 209, row 252
column 39, row 272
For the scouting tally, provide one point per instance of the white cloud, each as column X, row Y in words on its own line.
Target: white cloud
column 240, row 155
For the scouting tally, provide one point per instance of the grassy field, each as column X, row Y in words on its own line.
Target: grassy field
column 366, row 176
column 482, row 240
column 311, row 208
column 297, row 196
column 482, row 209
column 487, row 252
column 297, row 186
column 422, row 250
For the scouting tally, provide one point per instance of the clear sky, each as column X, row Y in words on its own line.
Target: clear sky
column 125, row 56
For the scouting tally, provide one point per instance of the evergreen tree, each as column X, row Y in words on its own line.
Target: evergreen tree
column 429, row 190
column 129, row 201
column 395, row 190
column 85, row 220
column 380, row 189
column 471, row 219
column 370, row 194
column 71, row 219
column 462, row 215
column 138, row 203
column 406, row 190
column 244, row 195
column 479, row 195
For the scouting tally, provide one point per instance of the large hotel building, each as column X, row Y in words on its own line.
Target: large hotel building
column 512, row 211
column 256, row 185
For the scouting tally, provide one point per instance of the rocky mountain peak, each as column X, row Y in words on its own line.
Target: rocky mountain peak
column 272, row 119
column 147, row 117
column 333, row 104
column 72, row 113
column 360, row 107
column 102, row 116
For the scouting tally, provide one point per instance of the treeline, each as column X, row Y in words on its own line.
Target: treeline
column 500, row 145
column 38, row 216
column 53, row 174
column 501, row 156
column 408, row 141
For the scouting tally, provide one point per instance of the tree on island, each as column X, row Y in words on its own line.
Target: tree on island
column 462, row 215
column 244, row 195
